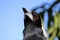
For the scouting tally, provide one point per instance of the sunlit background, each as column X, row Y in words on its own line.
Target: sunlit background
column 12, row 16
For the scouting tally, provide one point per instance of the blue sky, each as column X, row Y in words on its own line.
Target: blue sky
column 11, row 17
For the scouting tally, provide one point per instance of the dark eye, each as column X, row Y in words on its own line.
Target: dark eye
column 36, row 16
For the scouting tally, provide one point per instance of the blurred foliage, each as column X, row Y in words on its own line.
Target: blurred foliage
column 53, row 30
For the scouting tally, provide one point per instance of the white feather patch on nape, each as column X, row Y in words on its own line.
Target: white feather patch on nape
column 30, row 15
column 44, row 31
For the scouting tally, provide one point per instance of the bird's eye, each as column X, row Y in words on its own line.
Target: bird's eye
column 36, row 16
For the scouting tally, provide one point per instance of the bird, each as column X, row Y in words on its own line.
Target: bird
column 33, row 26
